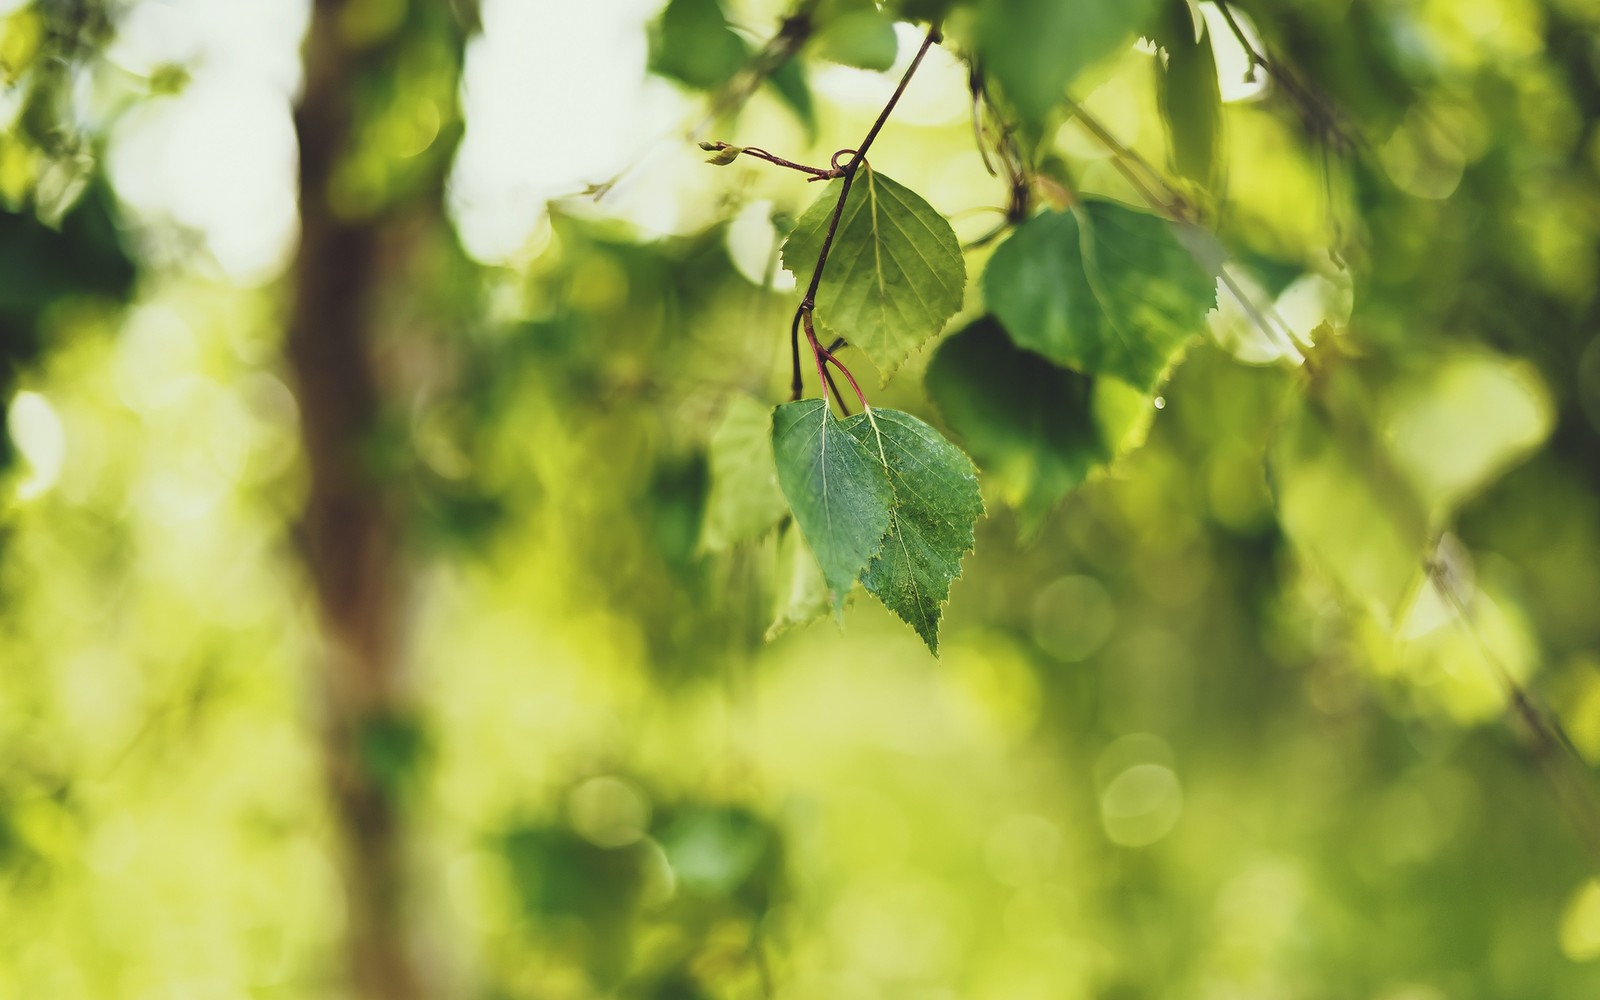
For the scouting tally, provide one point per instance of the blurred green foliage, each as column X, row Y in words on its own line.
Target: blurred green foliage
column 1221, row 708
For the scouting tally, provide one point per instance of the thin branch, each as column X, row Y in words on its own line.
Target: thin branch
column 1256, row 58
column 1565, row 768
column 792, row 34
column 817, row 173
column 825, row 357
column 1317, row 112
column 1122, row 157
column 833, row 387
column 779, row 49
column 847, row 170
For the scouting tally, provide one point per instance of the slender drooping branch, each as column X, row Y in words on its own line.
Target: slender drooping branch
column 1313, row 107
column 1560, row 761
column 853, row 159
column 1124, row 159
column 778, row 50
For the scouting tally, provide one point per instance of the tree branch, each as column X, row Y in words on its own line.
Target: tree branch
column 847, row 170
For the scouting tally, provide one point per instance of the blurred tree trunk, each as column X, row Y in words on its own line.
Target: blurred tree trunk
column 357, row 248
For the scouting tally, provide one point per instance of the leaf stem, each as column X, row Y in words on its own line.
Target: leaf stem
column 817, row 173
column 846, row 170
column 824, row 357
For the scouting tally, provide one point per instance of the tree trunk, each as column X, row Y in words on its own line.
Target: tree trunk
column 351, row 527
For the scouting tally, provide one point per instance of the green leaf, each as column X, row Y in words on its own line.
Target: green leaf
column 801, row 594
column 1454, row 425
column 1188, row 95
column 692, row 43
column 722, row 852
column 1035, row 47
column 723, row 156
column 921, row 10
column 1036, row 429
column 839, row 492
column 1102, row 289
column 894, row 275
column 862, row 37
column 745, row 501
column 789, row 83
column 936, row 503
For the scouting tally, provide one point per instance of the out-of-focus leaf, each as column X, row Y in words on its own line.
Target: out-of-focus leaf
column 1188, row 94
column 789, row 83
column 678, row 501
column 936, row 504
column 1455, row 426
column 745, row 500
column 1036, row 430
column 1035, row 47
column 718, row 850
column 1102, row 289
column 41, row 264
column 922, row 10
column 862, row 36
column 693, row 44
column 839, row 491
column 391, row 746
column 800, row 594
column 22, row 34
column 895, row 273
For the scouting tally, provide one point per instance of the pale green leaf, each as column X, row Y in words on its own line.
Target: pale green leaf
column 1036, row 429
column 894, row 275
column 863, row 37
column 745, row 501
column 721, row 157
column 801, row 594
column 1102, row 289
column 936, row 504
column 1035, row 47
column 839, row 492
column 1456, row 424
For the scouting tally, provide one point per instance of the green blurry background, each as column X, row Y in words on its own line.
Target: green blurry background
column 359, row 635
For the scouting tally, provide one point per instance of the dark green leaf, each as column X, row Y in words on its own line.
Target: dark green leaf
column 1189, row 96
column 1036, row 429
column 936, row 504
column 1103, row 289
column 839, row 492
column 693, row 44
column 895, row 273
column 1035, row 47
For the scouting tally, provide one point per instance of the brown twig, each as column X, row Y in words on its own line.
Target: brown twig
column 847, row 170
